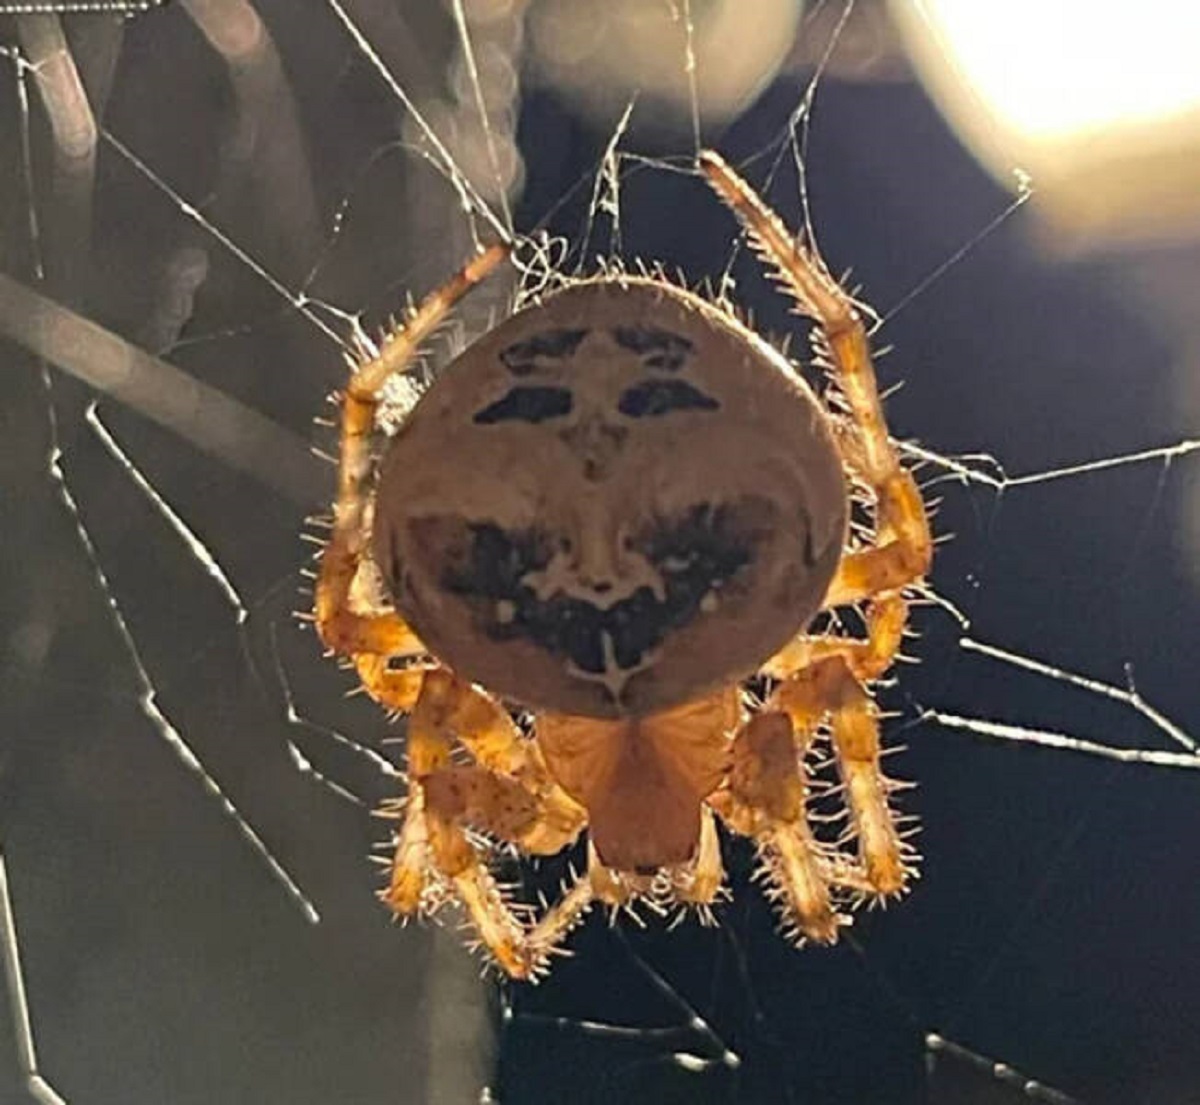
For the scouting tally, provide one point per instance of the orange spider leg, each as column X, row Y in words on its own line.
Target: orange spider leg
column 699, row 883
column 868, row 658
column 505, row 764
column 826, row 673
column 829, row 686
column 612, row 887
column 904, row 549
column 597, row 884
column 766, row 800
column 341, row 629
column 506, row 792
column 397, row 689
column 905, row 545
column 427, row 749
column 432, row 844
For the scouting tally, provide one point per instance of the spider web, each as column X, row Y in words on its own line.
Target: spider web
column 251, row 200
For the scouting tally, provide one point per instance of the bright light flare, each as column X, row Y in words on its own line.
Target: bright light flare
column 1100, row 102
column 1073, row 66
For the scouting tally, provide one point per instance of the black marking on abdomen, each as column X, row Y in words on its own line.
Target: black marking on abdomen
column 693, row 554
column 524, row 357
column 660, row 349
column 652, row 398
column 526, row 404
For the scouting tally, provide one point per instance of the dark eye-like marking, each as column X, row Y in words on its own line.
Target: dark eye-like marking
column 524, row 357
column 652, row 398
column 658, row 348
column 526, row 404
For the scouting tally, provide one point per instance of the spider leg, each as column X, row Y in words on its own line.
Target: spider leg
column 432, row 852
column 427, row 749
column 766, row 800
column 506, row 792
column 343, row 630
column 905, row 551
column 597, row 884
column 610, row 887
column 829, row 687
column 699, row 883
column 827, row 676
column 766, row 796
column 508, row 775
column 868, row 658
column 395, row 689
column 827, row 672
column 905, row 546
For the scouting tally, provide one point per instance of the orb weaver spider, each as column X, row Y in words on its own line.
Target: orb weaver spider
column 585, row 569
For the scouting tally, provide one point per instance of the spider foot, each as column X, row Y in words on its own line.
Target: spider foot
column 434, row 863
column 490, row 914
column 885, row 859
column 410, row 891
column 698, row 884
column 545, row 939
column 797, row 883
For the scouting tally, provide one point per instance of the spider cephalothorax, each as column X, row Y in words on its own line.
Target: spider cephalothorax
column 614, row 502
column 605, row 516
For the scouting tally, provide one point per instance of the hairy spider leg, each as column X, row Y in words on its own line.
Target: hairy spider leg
column 341, row 629
column 903, row 552
column 868, row 658
column 697, row 883
column 766, row 796
column 766, row 800
column 828, row 687
column 507, row 790
column 905, row 546
column 700, row 882
column 597, row 884
column 505, row 793
column 432, row 848
column 828, row 673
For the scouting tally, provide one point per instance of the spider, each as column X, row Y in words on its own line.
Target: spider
column 586, row 567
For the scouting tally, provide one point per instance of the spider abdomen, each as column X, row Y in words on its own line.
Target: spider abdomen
column 615, row 501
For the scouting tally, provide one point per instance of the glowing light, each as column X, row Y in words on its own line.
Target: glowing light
column 603, row 54
column 1100, row 103
column 1048, row 70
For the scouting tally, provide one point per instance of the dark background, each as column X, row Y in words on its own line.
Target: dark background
column 1054, row 924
